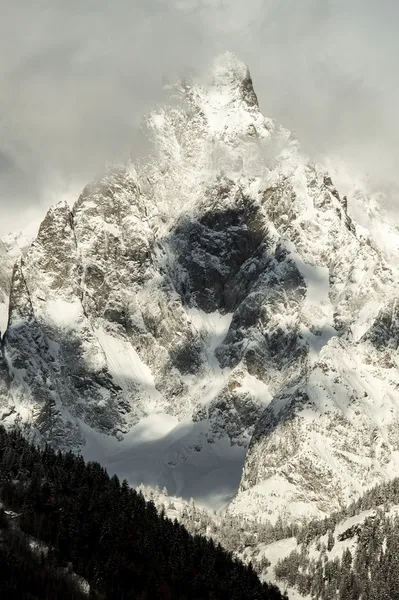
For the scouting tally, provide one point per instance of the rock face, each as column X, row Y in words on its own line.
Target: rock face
column 12, row 246
column 211, row 308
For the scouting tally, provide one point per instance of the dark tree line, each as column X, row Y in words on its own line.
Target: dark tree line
column 27, row 575
column 106, row 533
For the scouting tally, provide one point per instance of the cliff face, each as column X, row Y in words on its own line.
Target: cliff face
column 211, row 307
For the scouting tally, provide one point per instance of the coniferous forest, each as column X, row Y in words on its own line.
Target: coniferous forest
column 367, row 570
column 71, row 520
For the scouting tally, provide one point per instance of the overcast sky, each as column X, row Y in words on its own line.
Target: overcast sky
column 77, row 76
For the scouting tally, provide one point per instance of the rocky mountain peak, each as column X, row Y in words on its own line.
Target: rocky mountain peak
column 211, row 319
column 229, row 75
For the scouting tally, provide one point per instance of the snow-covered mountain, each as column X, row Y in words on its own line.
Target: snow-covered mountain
column 212, row 318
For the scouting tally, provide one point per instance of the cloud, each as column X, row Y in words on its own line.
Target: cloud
column 77, row 77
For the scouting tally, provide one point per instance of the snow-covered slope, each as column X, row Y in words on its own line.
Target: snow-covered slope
column 212, row 297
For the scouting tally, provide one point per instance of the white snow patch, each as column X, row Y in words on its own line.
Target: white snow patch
column 64, row 314
column 212, row 326
column 316, row 343
column 111, row 228
column 257, row 388
column 317, row 309
column 125, row 365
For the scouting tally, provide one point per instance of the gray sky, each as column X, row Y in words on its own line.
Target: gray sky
column 77, row 76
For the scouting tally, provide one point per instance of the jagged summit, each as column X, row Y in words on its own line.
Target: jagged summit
column 230, row 75
column 227, row 77
column 227, row 68
column 211, row 318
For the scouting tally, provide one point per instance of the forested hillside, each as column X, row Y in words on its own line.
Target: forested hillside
column 351, row 555
column 26, row 573
column 102, row 530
